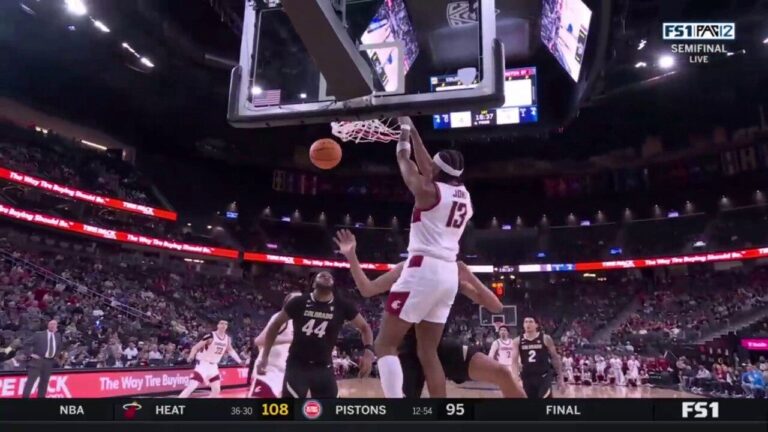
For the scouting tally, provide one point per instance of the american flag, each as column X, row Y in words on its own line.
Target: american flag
column 266, row 98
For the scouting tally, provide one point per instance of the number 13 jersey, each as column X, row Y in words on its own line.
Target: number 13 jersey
column 436, row 231
column 316, row 327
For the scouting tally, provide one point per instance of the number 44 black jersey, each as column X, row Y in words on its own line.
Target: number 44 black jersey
column 316, row 327
column 534, row 355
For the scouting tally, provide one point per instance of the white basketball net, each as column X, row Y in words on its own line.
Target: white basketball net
column 367, row 130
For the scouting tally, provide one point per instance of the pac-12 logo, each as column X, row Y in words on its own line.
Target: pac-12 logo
column 699, row 31
column 701, row 410
column 312, row 410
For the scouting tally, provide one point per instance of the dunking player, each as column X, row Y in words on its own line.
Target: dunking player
column 424, row 292
column 460, row 362
column 501, row 348
column 536, row 351
column 270, row 385
column 208, row 353
column 318, row 317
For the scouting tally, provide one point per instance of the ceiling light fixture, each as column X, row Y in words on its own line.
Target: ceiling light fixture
column 666, row 61
column 76, row 7
column 101, row 26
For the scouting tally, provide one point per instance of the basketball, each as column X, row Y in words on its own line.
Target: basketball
column 325, row 153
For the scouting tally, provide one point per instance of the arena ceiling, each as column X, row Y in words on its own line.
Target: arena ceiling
column 55, row 61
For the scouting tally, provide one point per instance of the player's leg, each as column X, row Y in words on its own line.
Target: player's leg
column 413, row 375
column 391, row 334
column 323, row 383
column 428, row 336
column 194, row 382
column 215, row 387
column 296, row 383
column 482, row 368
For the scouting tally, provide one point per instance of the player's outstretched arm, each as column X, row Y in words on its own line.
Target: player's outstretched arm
column 282, row 338
column 193, row 352
column 420, row 153
column 232, row 353
column 494, row 350
column 421, row 187
column 475, row 289
column 366, row 363
column 556, row 361
column 272, row 330
column 368, row 288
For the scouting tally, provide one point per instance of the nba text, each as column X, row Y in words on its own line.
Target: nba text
column 701, row 410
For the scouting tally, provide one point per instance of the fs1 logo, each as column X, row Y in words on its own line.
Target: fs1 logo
column 701, row 410
column 699, row 31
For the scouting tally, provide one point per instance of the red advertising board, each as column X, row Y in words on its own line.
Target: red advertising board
column 124, row 237
column 73, row 193
column 311, row 262
column 760, row 344
column 101, row 383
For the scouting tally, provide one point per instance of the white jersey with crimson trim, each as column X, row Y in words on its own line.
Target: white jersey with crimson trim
column 215, row 350
column 436, row 231
column 503, row 351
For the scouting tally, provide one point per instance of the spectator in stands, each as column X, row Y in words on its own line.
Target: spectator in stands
column 130, row 354
column 703, row 379
column 16, row 363
column 752, row 382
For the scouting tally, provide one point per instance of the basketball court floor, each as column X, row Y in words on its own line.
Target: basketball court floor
column 370, row 388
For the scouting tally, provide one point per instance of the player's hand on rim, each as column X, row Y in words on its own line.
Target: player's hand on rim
column 346, row 241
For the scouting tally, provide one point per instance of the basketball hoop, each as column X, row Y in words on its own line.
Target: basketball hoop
column 366, row 131
column 498, row 325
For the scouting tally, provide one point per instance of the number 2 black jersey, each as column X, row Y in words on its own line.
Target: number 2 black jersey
column 534, row 355
column 316, row 327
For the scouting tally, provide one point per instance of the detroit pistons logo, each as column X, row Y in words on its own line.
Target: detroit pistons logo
column 312, row 410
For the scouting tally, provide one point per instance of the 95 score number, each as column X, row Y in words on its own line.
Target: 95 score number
column 457, row 411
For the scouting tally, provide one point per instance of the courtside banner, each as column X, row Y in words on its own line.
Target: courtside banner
column 81, row 228
column 737, row 255
column 100, row 383
column 88, row 197
column 311, row 262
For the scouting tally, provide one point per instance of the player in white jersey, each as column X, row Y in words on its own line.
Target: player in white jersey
column 633, row 372
column 208, row 353
column 424, row 293
column 501, row 348
column 617, row 375
column 600, row 366
column 270, row 385
column 568, row 369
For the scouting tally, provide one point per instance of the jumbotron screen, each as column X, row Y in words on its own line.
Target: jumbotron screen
column 520, row 104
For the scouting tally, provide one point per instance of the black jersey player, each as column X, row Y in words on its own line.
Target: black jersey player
column 537, row 353
column 459, row 361
column 317, row 319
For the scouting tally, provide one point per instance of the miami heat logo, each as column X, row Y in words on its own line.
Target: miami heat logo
column 130, row 410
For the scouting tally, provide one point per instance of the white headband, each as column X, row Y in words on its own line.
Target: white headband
column 445, row 167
